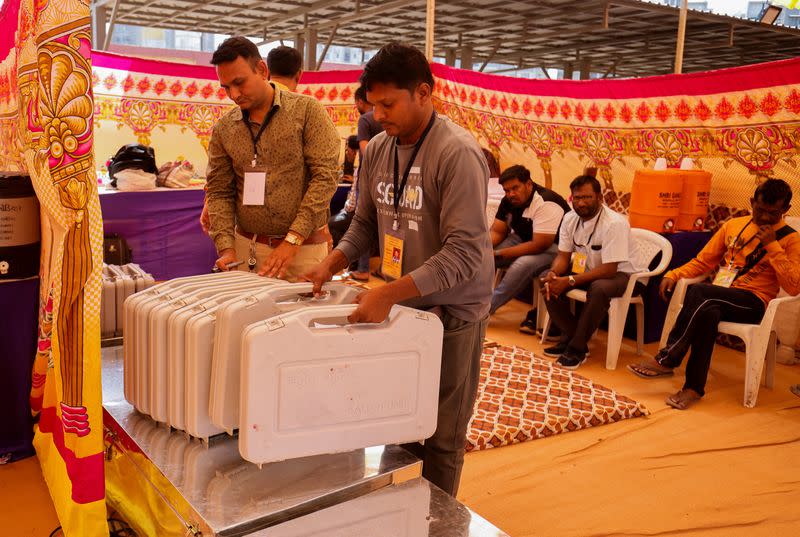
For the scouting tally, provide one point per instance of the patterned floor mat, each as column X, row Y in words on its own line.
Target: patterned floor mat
column 522, row 397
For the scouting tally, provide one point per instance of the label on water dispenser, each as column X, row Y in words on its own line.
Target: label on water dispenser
column 19, row 221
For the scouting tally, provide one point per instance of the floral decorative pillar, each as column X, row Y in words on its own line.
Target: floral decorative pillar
column 53, row 111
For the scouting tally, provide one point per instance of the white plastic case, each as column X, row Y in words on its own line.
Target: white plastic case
column 108, row 305
column 234, row 317
column 394, row 511
column 307, row 390
column 142, row 279
column 135, row 326
column 191, row 332
column 118, row 284
column 125, row 287
column 159, row 327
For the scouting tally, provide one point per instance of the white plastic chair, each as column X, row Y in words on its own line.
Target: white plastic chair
column 648, row 244
column 760, row 340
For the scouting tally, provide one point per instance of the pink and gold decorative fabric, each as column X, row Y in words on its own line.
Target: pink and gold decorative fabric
column 741, row 124
column 46, row 118
column 522, row 397
column 174, row 106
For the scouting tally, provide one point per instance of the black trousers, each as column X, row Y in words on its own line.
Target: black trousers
column 576, row 331
column 338, row 225
column 443, row 453
column 696, row 328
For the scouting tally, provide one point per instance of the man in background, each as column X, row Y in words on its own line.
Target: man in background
column 596, row 252
column 368, row 127
column 272, row 170
column 285, row 66
column 753, row 257
column 340, row 222
column 350, row 154
column 524, row 232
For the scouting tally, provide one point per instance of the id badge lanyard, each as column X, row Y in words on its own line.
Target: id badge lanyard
column 732, row 248
column 255, row 177
column 256, row 137
column 393, row 241
column 400, row 188
column 581, row 260
column 727, row 275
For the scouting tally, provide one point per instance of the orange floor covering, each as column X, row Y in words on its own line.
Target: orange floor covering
column 25, row 506
column 717, row 469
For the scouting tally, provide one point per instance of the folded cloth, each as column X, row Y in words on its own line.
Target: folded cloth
column 134, row 180
column 164, row 170
column 180, row 176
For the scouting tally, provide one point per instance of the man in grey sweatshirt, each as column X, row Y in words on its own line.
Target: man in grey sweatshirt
column 432, row 235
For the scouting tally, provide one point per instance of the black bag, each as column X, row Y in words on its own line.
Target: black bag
column 132, row 156
column 116, row 250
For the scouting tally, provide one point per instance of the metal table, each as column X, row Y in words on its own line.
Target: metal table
column 166, row 483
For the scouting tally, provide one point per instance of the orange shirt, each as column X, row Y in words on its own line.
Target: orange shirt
column 778, row 268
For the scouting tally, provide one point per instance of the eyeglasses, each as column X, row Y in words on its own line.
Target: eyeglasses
column 773, row 213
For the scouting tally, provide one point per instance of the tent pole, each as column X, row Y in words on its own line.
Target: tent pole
column 111, row 24
column 681, row 37
column 429, row 26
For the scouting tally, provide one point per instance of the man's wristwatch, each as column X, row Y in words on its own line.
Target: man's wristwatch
column 293, row 239
column 571, row 280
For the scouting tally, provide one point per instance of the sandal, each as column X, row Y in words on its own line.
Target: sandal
column 683, row 399
column 647, row 370
column 359, row 276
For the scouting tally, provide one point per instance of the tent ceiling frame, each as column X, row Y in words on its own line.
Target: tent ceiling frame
column 622, row 37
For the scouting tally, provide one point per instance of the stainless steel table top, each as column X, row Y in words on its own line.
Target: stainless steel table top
column 230, row 496
column 369, row 492
column 414, row 508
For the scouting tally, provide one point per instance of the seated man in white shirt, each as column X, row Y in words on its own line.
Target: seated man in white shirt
column 495, row 188
column 595, row 250
column 524, row 232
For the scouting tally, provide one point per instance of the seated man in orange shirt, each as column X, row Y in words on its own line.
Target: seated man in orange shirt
column 753, row 257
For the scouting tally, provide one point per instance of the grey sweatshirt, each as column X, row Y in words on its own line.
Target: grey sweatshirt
column 447, row 250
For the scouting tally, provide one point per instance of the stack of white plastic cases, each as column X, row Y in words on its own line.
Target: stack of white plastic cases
column 217, row 353
column 119, row 282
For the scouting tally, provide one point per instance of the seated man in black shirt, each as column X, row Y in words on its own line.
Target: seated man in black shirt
column 524, row 232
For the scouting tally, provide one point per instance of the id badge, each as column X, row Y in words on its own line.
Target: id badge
column 579, row 263
column 392, row 263
column 725, row 276
column 255, row 186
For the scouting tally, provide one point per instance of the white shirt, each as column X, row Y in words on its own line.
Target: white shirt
column 610, row 242
column 544, row 215
column 495, row 189
column 495, row 196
